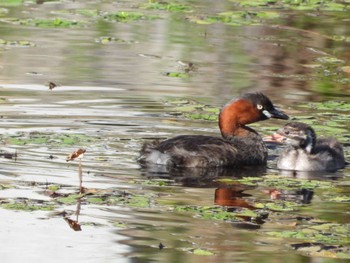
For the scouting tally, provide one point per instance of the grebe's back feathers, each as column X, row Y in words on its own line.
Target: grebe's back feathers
column 205, row 151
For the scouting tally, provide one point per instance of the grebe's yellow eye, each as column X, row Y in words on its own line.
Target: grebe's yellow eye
column 260, row 107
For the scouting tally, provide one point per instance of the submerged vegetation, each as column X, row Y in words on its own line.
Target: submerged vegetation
column 56, row 22
column 16, row 43
column 166, row 6
column 37, row 138
column 237, row 18
column 325, row 5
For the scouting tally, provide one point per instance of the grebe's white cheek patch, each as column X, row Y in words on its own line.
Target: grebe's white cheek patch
column 158, row 157
column 267, row 114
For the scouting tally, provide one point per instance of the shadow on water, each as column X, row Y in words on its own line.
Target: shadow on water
column 200, row 177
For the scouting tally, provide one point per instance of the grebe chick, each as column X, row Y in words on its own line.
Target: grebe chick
column 306, row 153
column 239, row 145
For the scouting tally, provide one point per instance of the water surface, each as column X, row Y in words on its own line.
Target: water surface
column 116, row 94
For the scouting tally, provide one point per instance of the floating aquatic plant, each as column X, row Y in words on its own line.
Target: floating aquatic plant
column 48, row 139
column 326, row 233
column 57, row 22
column 27, row 205
column 325, row 5
column 124, row 16
column 167, row 6
column 237, row 18
column 16, row 43
column 202, row 252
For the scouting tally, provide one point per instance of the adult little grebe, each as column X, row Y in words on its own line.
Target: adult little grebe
column 306, row 153
column 239, row 146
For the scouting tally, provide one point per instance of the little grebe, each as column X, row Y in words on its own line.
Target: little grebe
column 306, row 153
column 240, row 145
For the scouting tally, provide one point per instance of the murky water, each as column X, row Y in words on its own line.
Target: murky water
column 115, row 94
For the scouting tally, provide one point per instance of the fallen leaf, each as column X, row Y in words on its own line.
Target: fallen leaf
column 52, row 85
column 77, row 154
column 161, row 246
column 89, row 191
column 73, row 224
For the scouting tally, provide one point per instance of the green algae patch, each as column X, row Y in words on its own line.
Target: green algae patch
column 174, row 74
column 255, row 3
column 108, row 40
column 278, row 206
column 72, row 139
column 341, row 38
column 121, row 199
column 120, row 225
column 58, row 22
column 38, row 138
column 53, row 187
column 191, row 109
column 316, row 5
column 5, row 186
column 340, row 198
column 97, row 200
column 330, row 117
column 47, row 23
column 328, row 105
column 28, row 205
column 325, row 5
column 237, row 18
column 330, row 60
column 140, row 201
column 88, row 12
column 167, row 6
column 202, row 116
column 125, row 17
column 208, row 212
column 252, row 181
column 11, row 2
column 326, row 233
column 153, row 182
column 279, row 182
column 293, row 183
column 202, row 252
column 321, row 250
column 16, row 43
column 70, row 199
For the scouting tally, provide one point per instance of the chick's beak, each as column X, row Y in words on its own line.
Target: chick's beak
column 276, row 138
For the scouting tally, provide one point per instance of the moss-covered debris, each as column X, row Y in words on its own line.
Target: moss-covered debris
column 16, row 43
column 237, row 18
column 28, row 205
column 167, row 6
column 48, row 138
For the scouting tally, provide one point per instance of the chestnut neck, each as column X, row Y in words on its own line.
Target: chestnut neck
column 234, row 116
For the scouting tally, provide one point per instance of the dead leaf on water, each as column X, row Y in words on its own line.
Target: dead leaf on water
column 52, row 85
column 73, row 224
column 90, row 191
column 8, row 155
column 77, row 154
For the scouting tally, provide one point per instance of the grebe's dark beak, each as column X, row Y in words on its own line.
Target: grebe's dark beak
column 274, row 113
